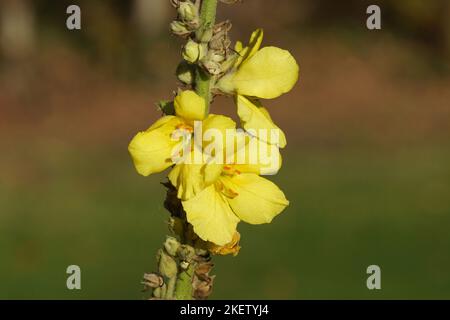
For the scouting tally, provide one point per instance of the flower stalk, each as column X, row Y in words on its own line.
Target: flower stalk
column 208, row 198
column 202, row 85
column 207, row 21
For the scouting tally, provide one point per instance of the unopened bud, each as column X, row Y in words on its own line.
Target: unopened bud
column 157, row 293
column 185, row 73
column 171, row 245
column 204, row 35
column 193, row 51
column 179, row 28
column 167, row 265
column 186, row 253
column 188, row 11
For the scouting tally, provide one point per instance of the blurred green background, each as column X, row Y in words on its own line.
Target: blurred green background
column 367, row 167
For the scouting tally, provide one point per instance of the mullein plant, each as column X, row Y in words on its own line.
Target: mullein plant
column 207, row 199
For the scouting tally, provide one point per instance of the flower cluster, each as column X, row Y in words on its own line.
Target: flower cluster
column 216, row 195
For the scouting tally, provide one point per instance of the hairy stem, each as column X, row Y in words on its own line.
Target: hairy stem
column 183, row 289
column 203, row 79
column 208, row 13
column 171, row 288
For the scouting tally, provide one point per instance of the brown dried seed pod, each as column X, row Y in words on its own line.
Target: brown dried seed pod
column 204, row 268
column 203, row 288
column 152, row 280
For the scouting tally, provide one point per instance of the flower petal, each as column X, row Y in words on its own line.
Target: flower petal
column 267, row 161
column 215, row 129
column 219, row 122
column 151, row 150
column 255, row 117
column 211, row 216
column 190, row 106
column 191, row 179
column 258, row 201
column 246, row 53
column 269, row 73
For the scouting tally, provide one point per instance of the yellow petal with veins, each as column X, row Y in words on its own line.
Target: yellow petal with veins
column 151, row 150
column 211, row 216
column 259, row 200
column 267, row 74
column 191, row 179
column 254, row 118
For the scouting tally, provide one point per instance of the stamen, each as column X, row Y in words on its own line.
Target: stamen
column 185, row 127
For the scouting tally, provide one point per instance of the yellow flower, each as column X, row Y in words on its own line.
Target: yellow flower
column 260, row 73
column 234, row 196
column 151, row 150
column 192, row 177
column 155, row 149
column 264, row 73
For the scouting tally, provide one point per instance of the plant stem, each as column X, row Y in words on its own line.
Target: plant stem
column 208, row 13
column 171, row 288
column 183, row 289
column 183, row 286
column 203, row 79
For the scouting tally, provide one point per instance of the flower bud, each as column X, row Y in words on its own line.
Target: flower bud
column 179, row 28
column 186, row 253
column 188, row 11
column 167, row 265
column 204, row 35
column 193, row 51
column 171, row 245
column 185, row 73
column 157, row 293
